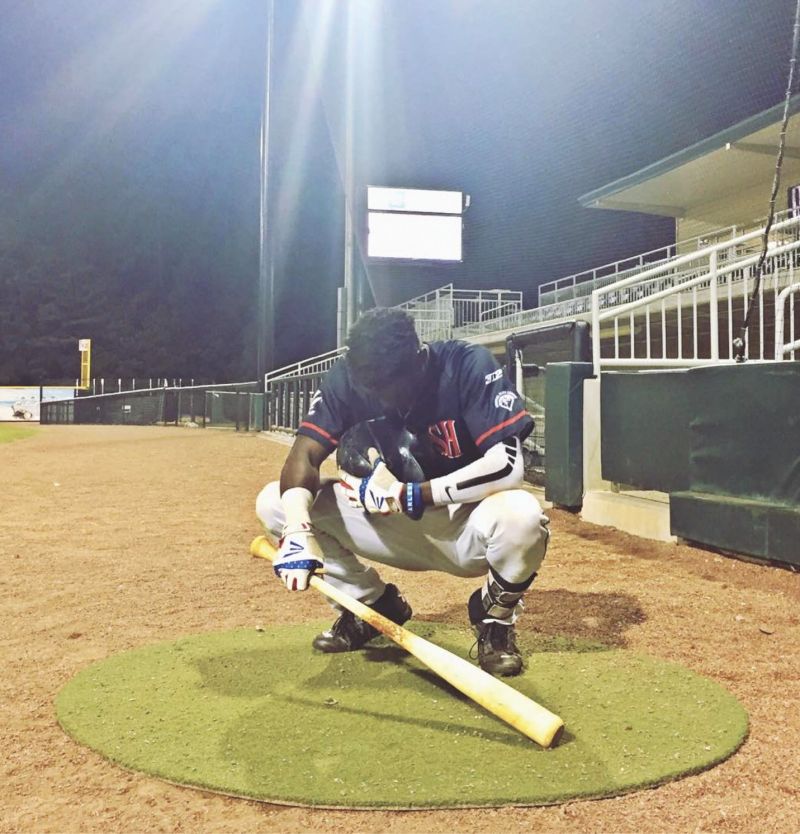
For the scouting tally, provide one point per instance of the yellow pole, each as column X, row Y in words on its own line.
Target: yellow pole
column 85, row 347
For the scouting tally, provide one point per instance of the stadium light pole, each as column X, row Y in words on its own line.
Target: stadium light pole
column 350, row 289
column 265, row 356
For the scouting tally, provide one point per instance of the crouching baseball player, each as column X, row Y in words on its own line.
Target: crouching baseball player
column 430, row 471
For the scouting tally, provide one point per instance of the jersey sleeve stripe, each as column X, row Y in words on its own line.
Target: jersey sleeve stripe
column 329, row 437
column 518, row 416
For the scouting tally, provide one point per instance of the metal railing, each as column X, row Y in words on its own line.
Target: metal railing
column 436, row 315
column 679, row 314
column 782, row 347
column 289, row 400
column 564, row 311
column 439, row 313
column 583, row 283
column 433, row 313
column 112, row 385
column 314, row 364
column 288, row 390
column 578, row 304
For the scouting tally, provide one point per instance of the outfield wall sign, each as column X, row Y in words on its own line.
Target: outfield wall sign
column 21, row 404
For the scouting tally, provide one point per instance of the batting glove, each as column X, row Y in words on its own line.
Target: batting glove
column 379, row 493
column 299, row 556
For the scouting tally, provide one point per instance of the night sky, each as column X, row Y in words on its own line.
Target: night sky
column 129, row 155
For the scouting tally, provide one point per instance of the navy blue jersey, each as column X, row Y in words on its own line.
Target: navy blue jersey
column 466, row 404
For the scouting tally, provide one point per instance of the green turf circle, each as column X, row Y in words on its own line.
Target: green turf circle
column 258, row 714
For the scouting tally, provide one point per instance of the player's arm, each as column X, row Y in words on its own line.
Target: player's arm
column 301, row 468
column 499, row 468
column 299, row 554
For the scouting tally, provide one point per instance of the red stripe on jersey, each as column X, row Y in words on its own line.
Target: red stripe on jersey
column 329, row 437
column 499, row 426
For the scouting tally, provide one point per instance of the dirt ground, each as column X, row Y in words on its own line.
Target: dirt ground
column 116, row 537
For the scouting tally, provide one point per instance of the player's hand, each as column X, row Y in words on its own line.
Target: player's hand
column 299, row 555
column 380, row 492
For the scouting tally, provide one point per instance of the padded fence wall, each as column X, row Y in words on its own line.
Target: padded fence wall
column 724, row 441
column 564, row 432
column 744, row 463
column 645, row 421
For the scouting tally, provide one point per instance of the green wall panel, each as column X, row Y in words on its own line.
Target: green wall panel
column 746, row 431
column 645, row 429
column 739, row 525
column 564, row 432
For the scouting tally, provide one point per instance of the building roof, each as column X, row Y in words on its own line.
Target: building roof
column 737, row 158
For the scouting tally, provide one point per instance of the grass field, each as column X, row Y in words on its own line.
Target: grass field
column 12, row 431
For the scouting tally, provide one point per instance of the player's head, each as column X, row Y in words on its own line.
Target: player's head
column 385, row 357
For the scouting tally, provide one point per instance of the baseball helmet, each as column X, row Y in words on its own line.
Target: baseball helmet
column 399, row 448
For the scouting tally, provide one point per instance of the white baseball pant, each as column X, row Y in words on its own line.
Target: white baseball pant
column 506, row 531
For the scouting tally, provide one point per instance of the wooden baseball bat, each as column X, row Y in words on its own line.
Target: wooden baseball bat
column 525, row 715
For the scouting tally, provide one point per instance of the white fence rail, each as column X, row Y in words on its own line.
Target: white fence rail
column 441, row 312
column 782, row 347
column 437, row 315
column 433, row 313
column 314, row 364
column 583, row 283
column 686, row 312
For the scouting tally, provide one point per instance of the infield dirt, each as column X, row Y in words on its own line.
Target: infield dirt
column 116, row 537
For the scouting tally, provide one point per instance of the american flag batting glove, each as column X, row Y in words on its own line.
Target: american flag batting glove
column 299, row 556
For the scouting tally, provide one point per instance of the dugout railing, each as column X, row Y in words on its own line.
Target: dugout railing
column 582, row 284
column 289, row 399
column 685, row 318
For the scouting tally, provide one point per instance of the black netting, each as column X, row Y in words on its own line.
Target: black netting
column 239, row 406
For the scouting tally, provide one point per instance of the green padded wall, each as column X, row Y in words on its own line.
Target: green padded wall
column 645, row 429
column 744, row 462
column 739, row 525
column 564, row 432
column 724, row 441
column 746, row 431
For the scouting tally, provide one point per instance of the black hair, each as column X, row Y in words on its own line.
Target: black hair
column 382, row 345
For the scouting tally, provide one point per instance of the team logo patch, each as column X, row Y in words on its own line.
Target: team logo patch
column 493, row 376
column 505, row 399
column 445, row 439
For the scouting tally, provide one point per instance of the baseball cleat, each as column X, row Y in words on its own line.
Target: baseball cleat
column 497, row 649
column 350, row 633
